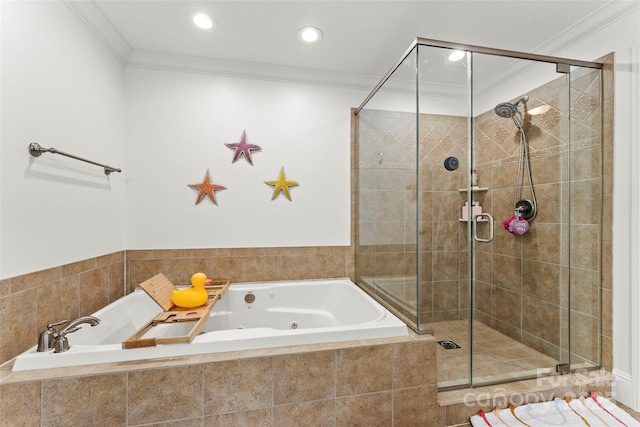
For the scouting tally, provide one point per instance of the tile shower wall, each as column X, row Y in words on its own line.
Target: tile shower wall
column 521, row 281
column 387, row 212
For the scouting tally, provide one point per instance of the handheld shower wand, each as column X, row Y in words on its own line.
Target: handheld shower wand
column 524, row 207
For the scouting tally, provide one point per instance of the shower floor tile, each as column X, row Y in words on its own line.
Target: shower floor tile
column 496, row 356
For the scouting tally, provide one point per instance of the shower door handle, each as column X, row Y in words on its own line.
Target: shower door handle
column 475, row 228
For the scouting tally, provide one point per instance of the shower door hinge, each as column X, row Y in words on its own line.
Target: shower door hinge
column 563, row 368
column 563, row 68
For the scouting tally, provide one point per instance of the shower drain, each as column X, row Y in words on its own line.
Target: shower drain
column 448, row 344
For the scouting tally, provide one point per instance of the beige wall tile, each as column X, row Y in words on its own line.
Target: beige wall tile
column 5, row 287
column 416, row 406
column 316, row 413
column 507, row 272
column 96, row 401
column 446, row 265
column 303, row 377
column 413, row 364
column 389, row 264
column 584, row 343
column 583, row 236
column 506, row 306
column 19, row 316
column 139, row 270
column 112, row 258
column 262, row 268
column 541, row 319
column 585, row 291
column 35, row 279
column 116, row 286
column 363, row 370
column 371, row 410
column 445, row 235
column 295, row 267
column 180, row 396
column 58, row 301
column 542, row 242
column 236, row 386
column 445, row 295
column 78, row 267
column 20, row 404
column 93, row 290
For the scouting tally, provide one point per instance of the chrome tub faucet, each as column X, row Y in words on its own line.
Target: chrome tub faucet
column 57, row 340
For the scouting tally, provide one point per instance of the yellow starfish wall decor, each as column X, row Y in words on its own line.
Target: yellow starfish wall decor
column 207, row 188
column 281, row 185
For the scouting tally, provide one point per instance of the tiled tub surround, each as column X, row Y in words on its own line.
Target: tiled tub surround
column 29, row 302
column 241, row 264
column 381, row 382
column 323, row 310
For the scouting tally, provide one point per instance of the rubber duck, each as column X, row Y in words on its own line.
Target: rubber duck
column 192, row 297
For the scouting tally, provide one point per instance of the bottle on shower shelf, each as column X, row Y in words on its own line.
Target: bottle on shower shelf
column 476, row 209
column 465, row 212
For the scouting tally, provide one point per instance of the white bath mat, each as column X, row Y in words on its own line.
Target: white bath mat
column 591, row 411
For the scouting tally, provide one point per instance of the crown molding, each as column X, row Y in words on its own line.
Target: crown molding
column 92, row 17
column 245, row 69
column 584, row 28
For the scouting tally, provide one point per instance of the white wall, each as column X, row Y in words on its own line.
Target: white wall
column 178, row 124
column 62, row 88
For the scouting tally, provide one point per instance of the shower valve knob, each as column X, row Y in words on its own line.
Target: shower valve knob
column 451, row 163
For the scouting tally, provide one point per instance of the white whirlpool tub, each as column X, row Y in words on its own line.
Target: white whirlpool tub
column 282, row 314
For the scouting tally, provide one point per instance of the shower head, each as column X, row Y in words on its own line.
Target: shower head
column 510, row 111
column 506, row 110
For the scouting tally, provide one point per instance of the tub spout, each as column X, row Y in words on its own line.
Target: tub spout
column 61, row 342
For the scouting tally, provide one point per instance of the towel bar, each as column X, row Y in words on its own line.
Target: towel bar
column 36, row 150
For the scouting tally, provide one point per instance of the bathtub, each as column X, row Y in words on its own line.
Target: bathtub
column 282, row 314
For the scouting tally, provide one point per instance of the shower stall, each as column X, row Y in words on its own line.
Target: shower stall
column 478, row 208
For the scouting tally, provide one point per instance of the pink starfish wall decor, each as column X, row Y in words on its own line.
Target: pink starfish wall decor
column 207, row 188
column 243, row 148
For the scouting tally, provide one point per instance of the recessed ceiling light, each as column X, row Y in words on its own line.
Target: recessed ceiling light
column 310, row 34
column 204, row 21
column 456, row 55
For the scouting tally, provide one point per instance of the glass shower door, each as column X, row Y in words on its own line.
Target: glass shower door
column 520, row 280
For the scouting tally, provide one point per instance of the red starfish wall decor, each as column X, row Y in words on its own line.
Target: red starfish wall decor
column 207, row 188
column 243, row 148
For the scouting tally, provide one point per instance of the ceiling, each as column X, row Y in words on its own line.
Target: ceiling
column 361, row 38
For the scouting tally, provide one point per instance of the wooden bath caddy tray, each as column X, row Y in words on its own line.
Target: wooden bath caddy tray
column 159, row 288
